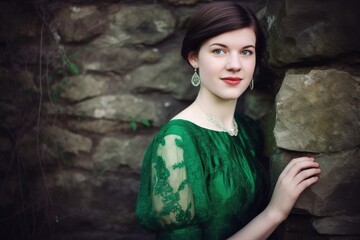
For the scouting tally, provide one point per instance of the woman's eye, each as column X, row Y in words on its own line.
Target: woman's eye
column 218, row 51
column 246, row 52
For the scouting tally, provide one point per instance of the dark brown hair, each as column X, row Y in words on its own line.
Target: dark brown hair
column 219, row 17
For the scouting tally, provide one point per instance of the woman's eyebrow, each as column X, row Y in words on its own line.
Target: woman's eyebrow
column 218, row 44
column 225, row 46
column 249, row 46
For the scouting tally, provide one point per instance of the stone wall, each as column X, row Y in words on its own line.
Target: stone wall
column 315, row 45
column 86, row 85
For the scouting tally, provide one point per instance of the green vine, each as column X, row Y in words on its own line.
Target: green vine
column 134, row 123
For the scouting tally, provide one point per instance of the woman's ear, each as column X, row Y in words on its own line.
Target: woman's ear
column 192, row 58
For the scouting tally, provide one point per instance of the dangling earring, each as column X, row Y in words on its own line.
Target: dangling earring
column 252, row 84
column 195, row 79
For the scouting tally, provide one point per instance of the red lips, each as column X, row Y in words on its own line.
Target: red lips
column 231, row 80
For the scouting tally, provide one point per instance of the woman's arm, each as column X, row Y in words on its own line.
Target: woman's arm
column 299, row 174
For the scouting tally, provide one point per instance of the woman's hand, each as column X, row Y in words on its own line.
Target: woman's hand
column 299, row 174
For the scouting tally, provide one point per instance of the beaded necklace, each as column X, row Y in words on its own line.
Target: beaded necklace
column 212, row 119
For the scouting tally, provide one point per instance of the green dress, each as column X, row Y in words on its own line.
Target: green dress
column 198, row 183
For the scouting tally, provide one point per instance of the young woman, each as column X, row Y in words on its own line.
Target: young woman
column 201, row 177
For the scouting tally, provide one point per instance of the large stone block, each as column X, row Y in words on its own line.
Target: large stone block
column 311, row 30
column 332, row 203
column 111, row 153
column 79, row 87
column 334, row 199
column 92, row 203
column 108, row 58
column 59, row 139
column 100, row 126
column 318, row 111
column 141, row 24
column 121, row 108
column 79, row 23
column 171, row 75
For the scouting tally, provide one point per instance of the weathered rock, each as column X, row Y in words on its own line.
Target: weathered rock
column 150, row 56
column 338, row 225
column 62, row 140
column 98, row 125
column 318, row 111
column 79, row 87
column 123, row 107
column 170, row 75
column 311, row 30
column 145, row 24
column 93, row 201
column 111, row 153
column 333, row 199
column 79, row 23
column 108, row 58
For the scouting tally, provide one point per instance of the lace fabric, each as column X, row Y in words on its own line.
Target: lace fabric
column 198, row 183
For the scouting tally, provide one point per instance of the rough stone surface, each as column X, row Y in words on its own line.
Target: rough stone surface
column 332, row 200
column 108, row 58
column 311, row 30
column 76, row 195
column 123, row 107
column 79, row 23
column 100, row 126
column 338, row 225
column 66, row 141
column 171, row 75
column 318, row 111
column 111, row 153
column 76, row 88
column 146, row 24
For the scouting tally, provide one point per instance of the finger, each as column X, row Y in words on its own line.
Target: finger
column 295, row 161
column 298, row 166
column 305, row 184
column 305, row 174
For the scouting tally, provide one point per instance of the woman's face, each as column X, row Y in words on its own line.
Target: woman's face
column 226, row 63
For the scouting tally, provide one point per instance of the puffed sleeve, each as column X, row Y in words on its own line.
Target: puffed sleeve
column 172, row 198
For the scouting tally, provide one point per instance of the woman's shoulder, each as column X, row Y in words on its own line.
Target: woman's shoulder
column 179, row 127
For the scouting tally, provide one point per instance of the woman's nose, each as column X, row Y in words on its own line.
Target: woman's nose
column 234, row 63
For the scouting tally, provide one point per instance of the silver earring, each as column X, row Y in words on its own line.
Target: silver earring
column 252, row 84
column 195, row 79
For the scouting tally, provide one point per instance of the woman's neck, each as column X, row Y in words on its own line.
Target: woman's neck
column 220, row 109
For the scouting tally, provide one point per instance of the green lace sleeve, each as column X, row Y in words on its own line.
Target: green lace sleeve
column 172, row 196
column 166, row 202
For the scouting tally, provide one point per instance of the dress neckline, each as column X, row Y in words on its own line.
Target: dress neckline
column 196, row 125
